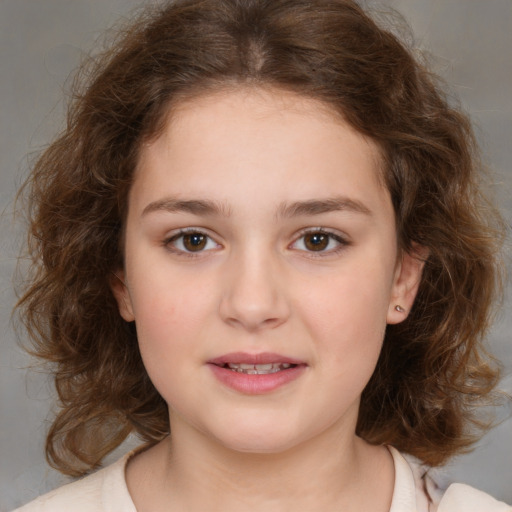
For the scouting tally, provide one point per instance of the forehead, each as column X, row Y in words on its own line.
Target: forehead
column 239, row 141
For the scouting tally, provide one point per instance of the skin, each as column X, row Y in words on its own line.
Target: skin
column 259, row 285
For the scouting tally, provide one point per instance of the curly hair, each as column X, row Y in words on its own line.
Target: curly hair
column 433, row 367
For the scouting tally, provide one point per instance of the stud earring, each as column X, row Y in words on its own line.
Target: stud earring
column 399, row 308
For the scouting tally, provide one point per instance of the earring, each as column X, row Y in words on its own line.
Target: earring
column 399, row 308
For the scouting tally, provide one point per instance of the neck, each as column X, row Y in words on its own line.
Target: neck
column 193, row 472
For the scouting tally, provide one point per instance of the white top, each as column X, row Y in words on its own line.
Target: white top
column 414, row 491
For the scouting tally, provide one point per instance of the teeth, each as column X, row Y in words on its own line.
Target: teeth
column 247, row 366
column 258, row 369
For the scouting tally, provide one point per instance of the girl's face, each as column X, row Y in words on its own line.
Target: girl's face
column 261, row 269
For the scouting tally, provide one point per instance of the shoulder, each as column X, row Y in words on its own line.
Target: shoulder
column 103, row 491
column 416, row 490
column 463, row 498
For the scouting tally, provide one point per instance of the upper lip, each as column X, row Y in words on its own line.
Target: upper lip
column 246, row 358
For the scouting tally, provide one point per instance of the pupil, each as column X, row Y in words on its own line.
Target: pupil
column 317, row 241
column 194, row 242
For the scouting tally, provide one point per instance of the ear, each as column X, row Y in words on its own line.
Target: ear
column 406, row 282
column 122, row 295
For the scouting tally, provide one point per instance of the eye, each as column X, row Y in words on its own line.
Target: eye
column 190, row 241
column 320, row 241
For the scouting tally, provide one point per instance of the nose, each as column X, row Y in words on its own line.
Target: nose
column 254, row 294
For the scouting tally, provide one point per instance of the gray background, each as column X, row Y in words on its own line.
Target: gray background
column 42, row 41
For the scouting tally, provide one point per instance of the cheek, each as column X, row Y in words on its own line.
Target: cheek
column 170, row 314
column 346, row 314
column 169, row 323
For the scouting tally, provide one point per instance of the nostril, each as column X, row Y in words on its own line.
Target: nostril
column 252, row 300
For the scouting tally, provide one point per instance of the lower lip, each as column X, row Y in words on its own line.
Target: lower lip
column 256, row 384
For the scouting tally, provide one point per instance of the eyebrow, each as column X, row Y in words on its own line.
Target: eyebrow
column 207, row 207
column 319, row 206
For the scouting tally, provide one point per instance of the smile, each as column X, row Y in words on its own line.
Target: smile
column 258, row 369
column 256, row 374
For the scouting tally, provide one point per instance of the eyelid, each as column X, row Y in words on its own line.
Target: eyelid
column 342, row 240
column 177, row 234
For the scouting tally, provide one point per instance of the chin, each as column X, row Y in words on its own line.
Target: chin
column 271, row 438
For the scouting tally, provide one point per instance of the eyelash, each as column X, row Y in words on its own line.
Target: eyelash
column 341, row 241
column 168, row 242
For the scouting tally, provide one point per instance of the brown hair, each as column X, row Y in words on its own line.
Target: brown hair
column 432, row 368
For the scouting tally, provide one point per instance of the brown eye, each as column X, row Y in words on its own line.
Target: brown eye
column 190, row 242
column 316, row 241
column 194, row 242
column 319, row 241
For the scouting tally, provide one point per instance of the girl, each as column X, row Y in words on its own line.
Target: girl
column 260, row 244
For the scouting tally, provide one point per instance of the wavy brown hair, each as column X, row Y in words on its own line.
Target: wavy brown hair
column 432, row 370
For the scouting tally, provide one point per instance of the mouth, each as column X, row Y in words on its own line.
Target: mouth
column 256, row 374
column 258, row 369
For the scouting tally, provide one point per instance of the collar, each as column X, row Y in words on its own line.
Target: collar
column 404, row 490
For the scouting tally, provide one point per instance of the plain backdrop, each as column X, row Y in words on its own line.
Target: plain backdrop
column 43, row 41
